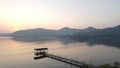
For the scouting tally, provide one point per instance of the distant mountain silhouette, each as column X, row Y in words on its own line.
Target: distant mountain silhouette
column 40, row 33
column 107, row 33
column 30, row 33
column 66, row 32
column 89, row 29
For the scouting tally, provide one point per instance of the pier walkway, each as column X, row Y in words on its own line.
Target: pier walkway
column 41, row 53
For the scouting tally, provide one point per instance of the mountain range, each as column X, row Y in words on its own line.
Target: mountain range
column 66, row 32
column 107, row 33
column 42, row 33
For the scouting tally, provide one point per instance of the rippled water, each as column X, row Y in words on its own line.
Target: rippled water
column 19, row 54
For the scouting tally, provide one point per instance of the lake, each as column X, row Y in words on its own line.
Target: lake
column 19, row 54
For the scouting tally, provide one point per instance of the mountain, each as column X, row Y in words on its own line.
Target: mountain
column 89, row 29
column 30, row 33
column 66, row 32
column 107, row 33
column 40, row 33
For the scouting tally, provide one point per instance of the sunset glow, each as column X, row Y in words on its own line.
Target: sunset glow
column 55, row 14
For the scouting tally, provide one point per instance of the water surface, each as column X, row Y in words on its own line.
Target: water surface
column 19, row 54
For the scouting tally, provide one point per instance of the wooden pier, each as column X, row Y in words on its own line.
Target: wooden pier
column 42, row 53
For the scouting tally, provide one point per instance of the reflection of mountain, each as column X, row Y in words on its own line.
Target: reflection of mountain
column 106, row 42
column 32, row 39
column 92, row 42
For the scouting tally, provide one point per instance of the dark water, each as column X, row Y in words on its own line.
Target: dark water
column 19, row 54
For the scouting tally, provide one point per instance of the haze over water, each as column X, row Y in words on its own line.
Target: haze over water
column 19, row 54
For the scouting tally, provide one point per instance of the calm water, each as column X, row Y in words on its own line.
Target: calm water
column 18, row 54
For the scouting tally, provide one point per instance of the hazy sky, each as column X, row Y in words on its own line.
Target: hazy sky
column 55, row 14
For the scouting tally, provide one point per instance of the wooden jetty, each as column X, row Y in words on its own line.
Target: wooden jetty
column 42, row 53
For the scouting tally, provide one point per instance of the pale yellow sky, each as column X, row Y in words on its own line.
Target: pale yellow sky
column 55, row 14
